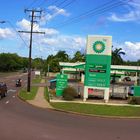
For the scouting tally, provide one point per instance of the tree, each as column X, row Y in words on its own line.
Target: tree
column 53, row 61
column 62, row 56
column 116, row 56
column 37, row 63
column 10, row 62
column 78, row 57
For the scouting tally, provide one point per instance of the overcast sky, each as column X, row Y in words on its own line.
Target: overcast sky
column 67, row 23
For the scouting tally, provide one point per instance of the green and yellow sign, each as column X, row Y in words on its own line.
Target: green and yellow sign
column 98, row 46
column 97, row 68
column 98, row 61
column 61, row 83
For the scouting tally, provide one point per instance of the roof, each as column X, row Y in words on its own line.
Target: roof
column 81, row 65
column 52, row 80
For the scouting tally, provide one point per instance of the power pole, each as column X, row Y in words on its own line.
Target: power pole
column 33, row 16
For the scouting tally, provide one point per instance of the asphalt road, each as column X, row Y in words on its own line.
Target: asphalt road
column 21, row 121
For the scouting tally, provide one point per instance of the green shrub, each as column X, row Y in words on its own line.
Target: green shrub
column 134, row 100
column 52, row 92
column 69, row 93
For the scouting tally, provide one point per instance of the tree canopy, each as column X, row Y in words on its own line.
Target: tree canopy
column 13, row 62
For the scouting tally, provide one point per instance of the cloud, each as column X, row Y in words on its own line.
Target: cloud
column 58, row 11
column 133, row 46
column 53, row 12
column 70, row 44
column 6, row 33
column 133, row 14
column 131, row 49
column 52, row 41
column 24, row 24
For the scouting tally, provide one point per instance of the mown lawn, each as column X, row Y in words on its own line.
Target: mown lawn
column 103, row 110
column 36, row 80
column 30, row 95
column 46, row 94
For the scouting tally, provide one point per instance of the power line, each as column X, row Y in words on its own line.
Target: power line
column 85, row 13
column 99, row 10
column 55, row 2
column 61, row 3
column 42, row 3
column 34, row 1
column 6, row 21
column 68, row 4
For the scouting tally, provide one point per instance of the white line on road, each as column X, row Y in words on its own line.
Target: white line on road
column 11, row 90
column 13, row 96
column 6, row 102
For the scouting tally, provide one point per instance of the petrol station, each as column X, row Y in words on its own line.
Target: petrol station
column 95, row 73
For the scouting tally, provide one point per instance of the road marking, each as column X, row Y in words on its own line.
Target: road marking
column 6, row 102
column 13, row 96
column 11, row 90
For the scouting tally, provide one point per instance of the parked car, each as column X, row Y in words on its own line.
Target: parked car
column 126, row 79
column 131, row 91
column 3, row 89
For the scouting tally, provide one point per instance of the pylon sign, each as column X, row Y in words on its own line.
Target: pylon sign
column 98, row 61
column 61, row 83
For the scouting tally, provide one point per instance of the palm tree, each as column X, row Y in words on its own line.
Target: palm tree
column 116, row 56
column 62, row 56
column 78, row 57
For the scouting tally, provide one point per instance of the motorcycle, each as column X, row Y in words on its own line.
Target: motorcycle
column 18, row 83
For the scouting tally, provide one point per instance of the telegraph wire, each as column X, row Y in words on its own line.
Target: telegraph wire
column 33, row 2
column 68, row 3
column 16, row 31
column 86, row 13
column 99, row 10
column 61, row 3
column 42, row 3
column 55, row 2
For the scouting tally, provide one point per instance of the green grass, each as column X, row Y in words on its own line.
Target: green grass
column 28, row 95
column 46, row 94
column 103, row 110
column 36, row 80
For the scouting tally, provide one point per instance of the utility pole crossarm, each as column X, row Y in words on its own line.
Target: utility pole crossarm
column 32, row 32
column 31, row 10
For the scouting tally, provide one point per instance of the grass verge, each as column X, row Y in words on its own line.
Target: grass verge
column 36, row 80
column 30, row 95
column 102, row 110
column 46, row 94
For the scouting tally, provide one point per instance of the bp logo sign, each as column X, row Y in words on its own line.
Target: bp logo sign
column 98, row 46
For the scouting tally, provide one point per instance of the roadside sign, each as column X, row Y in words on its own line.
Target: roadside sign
column 136, row 90
column 98, row 61
column 61, row 83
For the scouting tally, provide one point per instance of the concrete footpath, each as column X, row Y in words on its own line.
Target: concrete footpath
column 39, row 99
